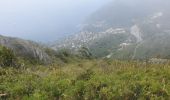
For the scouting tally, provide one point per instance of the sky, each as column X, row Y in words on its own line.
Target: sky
column 44, row 20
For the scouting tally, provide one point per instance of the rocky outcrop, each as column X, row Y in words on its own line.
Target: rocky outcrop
column 25, row 48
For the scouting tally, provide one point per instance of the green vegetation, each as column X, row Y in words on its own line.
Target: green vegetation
column 107, row 44
column 85, row 53
column 87, row 80
column 81, row 77
column 7, row 57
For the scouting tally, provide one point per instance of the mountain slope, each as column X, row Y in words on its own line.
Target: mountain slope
column 133, row 29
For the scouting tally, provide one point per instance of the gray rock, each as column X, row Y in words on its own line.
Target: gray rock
column 25, row 48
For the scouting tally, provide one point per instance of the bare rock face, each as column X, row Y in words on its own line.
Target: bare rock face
column 25, row 48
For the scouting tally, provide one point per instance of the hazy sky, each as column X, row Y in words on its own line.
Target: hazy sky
column 44, row 20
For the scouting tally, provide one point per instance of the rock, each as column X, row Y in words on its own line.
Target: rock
column 25, row 48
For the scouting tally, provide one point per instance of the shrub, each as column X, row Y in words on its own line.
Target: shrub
column 7, row 57
column 64, row 55
column 86, row 75
column 85, row 53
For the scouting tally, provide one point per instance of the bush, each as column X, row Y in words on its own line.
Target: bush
column 85, row 53
column 7, row 57
column 65, row 55
column 86, row 75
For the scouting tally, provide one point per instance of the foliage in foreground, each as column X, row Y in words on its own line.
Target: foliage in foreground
column 87, row 80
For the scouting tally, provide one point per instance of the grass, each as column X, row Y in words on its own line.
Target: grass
column 87, row 80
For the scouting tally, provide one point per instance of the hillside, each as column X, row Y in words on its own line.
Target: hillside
column 120, row 52
column 90, row 80
column 121, row 30
column 26, row 49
